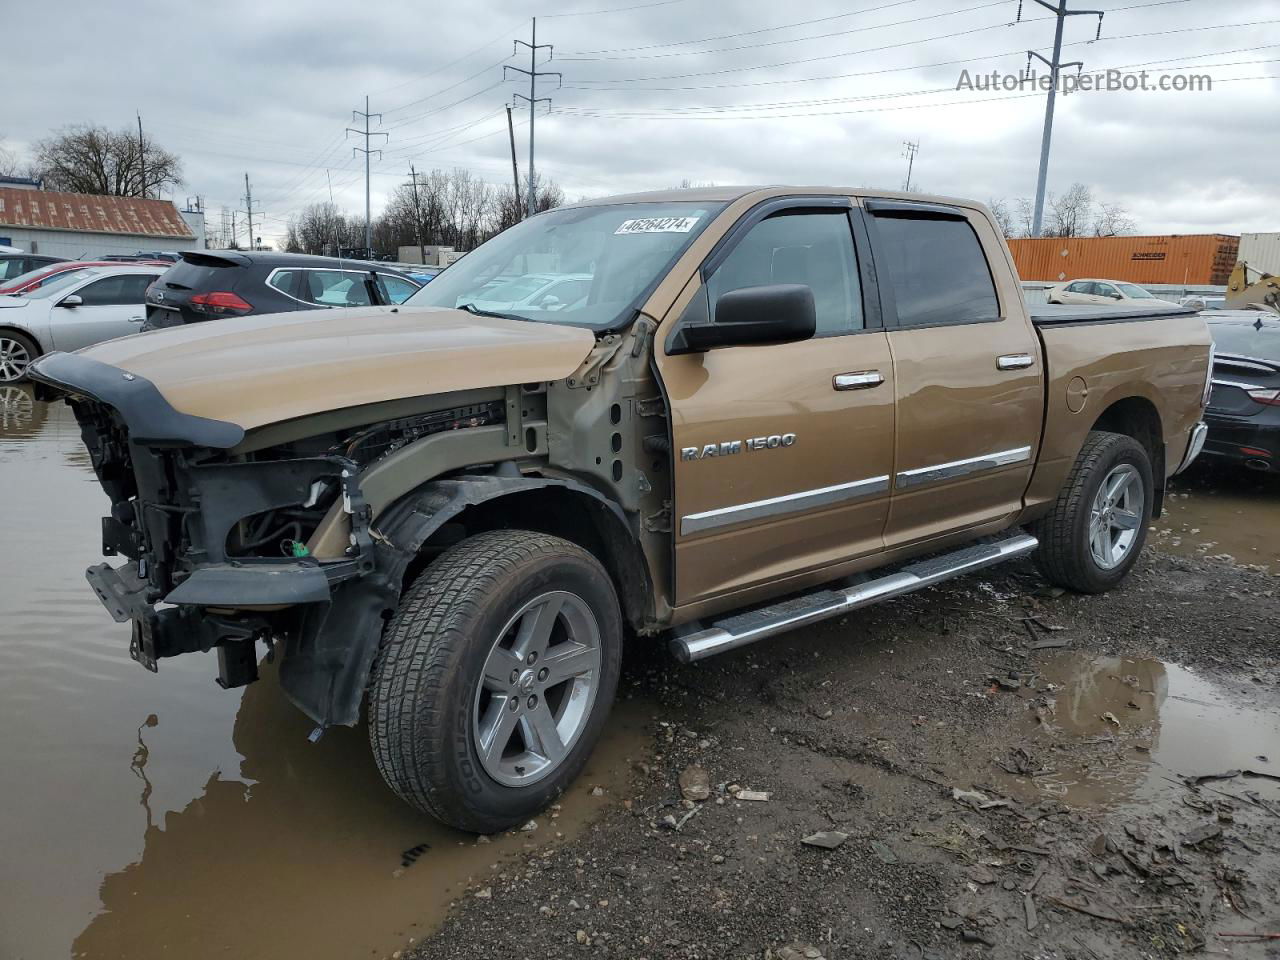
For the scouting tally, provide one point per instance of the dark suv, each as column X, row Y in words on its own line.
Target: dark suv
column 209, row 284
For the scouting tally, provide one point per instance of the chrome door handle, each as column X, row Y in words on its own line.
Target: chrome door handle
column 136, row 319
column 861, row 380
column 1014, row 361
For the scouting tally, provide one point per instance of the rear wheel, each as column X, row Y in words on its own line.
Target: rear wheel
column 495, row 678
column 1098, row 525
column 16, row 353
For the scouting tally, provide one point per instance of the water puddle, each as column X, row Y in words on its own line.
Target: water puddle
column 160, row 816
column 1215, row 509
column 1113, row 731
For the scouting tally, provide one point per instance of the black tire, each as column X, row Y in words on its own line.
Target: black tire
column 27, row 346
column 422, row 699
column 1064, row 555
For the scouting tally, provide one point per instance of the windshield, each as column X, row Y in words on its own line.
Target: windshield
column 1135, row 292
column 59, row 284
column 586, row 266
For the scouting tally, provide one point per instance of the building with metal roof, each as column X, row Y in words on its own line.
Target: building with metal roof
column 82, row 226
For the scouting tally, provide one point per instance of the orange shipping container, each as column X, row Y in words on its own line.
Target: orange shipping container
column 1187, row 259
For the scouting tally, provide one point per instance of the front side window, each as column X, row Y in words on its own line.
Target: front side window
column 1104, row 290
column 114, row 291
column 11, row 268
column 337, row 288
column 614, row 255
column 810, row 248
column 937, row 269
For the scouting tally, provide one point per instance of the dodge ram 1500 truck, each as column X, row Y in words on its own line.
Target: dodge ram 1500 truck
column 743, row 411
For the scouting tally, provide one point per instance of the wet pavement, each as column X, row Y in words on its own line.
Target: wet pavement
column 149, row 816
column 160, row 816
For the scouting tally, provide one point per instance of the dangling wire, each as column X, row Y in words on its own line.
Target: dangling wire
column 1019, row 17
column 1098, row 35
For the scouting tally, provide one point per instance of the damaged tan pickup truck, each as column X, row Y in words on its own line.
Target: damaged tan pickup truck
column 712, row 415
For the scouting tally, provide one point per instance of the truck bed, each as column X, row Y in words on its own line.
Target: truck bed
column 1053, row 314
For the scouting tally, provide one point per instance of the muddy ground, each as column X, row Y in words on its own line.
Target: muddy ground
column 1067, row 724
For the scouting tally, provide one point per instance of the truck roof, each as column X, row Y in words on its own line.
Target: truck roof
column 727, row 194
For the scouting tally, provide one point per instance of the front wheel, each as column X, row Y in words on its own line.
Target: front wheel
column 1098, row 525
column 495, row 678
column 16, row 353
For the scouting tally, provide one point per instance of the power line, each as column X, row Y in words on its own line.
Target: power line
column 533, row 73
column 816, row 36
column 1060, row 15
column 910, row 149
column 368, row 220
column 748, row 33
column 842, row 76
column 597, row 13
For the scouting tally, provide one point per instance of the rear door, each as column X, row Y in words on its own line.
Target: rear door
column 110, row 307
column 783, row 452
column 967, row 371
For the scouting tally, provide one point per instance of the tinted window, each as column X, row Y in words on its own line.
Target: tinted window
column 337, row 288
column 815, row 249
column 115, row 291
column 396, row 289
column 286, row 281
column 11, row 268
column 1077, row 287
column 937, row 270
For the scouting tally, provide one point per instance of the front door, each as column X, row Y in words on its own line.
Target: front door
column 967, row 373
column 109, row 307
column 783, row 453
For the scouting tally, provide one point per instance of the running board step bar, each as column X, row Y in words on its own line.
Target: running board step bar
column 744, row 628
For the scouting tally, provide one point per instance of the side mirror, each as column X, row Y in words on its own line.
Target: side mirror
column 777, row 313
column 71, row 301
column 1116, row 296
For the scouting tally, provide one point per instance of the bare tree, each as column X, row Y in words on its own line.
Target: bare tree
column 8, row 161
column 87, row 159
column 1112, row 220
column 1001, row 214
column 1070, row 214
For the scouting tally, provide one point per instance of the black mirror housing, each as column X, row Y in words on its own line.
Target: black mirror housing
column 776, row 313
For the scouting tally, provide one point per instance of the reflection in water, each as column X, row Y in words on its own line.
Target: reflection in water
column 1127, row 726
column 250, row 841
column 21, row 414
column 303, row 853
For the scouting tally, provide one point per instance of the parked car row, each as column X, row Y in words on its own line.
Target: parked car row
column 65, row 305
column 1105, row 292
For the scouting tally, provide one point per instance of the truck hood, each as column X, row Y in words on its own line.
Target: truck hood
column 252, row 371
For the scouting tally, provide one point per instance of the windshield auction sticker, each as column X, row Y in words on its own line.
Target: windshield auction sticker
column 658, row 225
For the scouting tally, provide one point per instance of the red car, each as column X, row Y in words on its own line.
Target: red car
column 33, row 279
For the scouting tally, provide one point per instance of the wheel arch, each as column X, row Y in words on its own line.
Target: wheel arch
column 1138, row 417
column 23, row 331
column 443, row 512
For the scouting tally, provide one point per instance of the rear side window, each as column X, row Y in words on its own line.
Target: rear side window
column 807, row 247
column 936, row 269
column 286, row 281
column 337, row 288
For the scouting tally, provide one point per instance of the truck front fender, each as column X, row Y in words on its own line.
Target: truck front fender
column 327, row 664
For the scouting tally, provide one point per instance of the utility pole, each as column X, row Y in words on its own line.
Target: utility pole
column 515, row 171
column 234, row 230
column 910, row 151
column 248, row 209
column 417, row 216
column 1060, row 12
column 533, row 73
column 142, row 156
column 368, row 221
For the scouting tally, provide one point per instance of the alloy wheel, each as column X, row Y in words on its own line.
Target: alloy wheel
column 14, row 359
column 1116, row 516
column 538, row 686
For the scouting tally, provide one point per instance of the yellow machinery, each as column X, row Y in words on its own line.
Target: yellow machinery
column 1261, row 293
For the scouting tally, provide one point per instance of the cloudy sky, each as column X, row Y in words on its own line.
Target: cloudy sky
column 653, row 93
